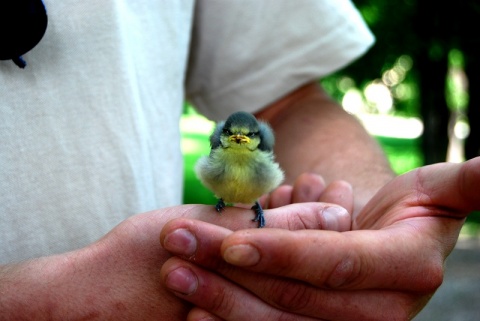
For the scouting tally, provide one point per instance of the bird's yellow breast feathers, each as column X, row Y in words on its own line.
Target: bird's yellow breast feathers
column 239, row 175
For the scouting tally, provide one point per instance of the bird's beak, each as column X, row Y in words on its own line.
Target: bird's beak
column 239, row 139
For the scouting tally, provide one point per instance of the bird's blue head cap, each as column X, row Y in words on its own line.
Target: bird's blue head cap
column 242, row 120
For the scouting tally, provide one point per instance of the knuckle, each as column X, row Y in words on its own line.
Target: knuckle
column 347, row 272
column 306, row 217
column 298, row 219
column 222, row 302
column 406, row 306
column 432, row 278
column 394, row 306
column 291, row 296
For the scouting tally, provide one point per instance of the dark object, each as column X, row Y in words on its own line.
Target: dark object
column 257, row 208
column 220, row 205
column 22, row 25
column 259, row 217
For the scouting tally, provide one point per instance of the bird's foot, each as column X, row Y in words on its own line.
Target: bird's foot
column 220, row 205
column 259, row 217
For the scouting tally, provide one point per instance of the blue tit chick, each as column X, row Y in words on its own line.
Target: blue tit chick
column 240, row 167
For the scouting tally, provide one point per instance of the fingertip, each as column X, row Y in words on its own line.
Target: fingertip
column 311, row 215
column 178, row 277
column 243, row 255
column 470, row 181
column 171, row 226
column 280, row 197
column 307, row 188
column 336, row 218
column 339, row 192
column 180, row 241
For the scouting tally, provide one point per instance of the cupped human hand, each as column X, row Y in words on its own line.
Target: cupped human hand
column 118, row 277
column 386, row 268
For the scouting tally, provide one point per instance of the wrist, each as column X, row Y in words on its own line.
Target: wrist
column 41, row 289
column 23, row 288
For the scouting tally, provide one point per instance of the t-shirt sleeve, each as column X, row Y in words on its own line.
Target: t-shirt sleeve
column 247, row 54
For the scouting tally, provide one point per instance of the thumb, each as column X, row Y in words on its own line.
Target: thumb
column 454, row 186
column 356, row 260
column 443, row 189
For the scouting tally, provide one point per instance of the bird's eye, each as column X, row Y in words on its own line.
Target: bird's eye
column 227, row 131
column 252, row 135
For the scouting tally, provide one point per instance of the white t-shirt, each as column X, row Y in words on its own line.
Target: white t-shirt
column 89, row 130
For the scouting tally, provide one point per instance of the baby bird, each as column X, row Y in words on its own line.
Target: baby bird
column 240, row 167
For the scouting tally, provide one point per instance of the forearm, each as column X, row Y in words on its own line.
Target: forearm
column 71, row 286
column 314, row 134
column 28, row 290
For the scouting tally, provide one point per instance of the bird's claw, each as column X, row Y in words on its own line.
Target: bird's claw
column 220, row 205
column 259, row 217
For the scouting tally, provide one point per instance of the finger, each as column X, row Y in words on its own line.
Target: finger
column 444, row 189
column 310, row 187
column 290, row 295
column 315, row 215
column 293, row 216
column 351, row 260
column 330, row 304
column 177, row 236
column 194, row 240
column 454, row 186
column 217, row 295
column 307, row 188
column 340, row 193
column 281, row 196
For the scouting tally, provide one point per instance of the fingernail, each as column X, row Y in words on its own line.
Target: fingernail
column 332, row 216
column 181, row 242
column 182, row 280
column 242, row 255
